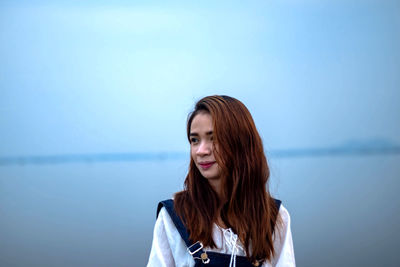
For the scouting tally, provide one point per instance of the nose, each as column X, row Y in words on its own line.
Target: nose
column 204, row 149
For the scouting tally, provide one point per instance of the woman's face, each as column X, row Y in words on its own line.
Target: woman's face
column 202, row 146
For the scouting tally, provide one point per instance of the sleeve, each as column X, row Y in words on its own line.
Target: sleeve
column 283, row 243
column 161, row 253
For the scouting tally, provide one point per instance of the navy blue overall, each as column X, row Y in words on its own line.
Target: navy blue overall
column 210, row 259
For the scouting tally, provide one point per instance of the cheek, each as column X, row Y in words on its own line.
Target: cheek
column 192, row 153
column 215, row 149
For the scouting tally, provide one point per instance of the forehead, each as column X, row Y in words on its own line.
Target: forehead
column 202, row 122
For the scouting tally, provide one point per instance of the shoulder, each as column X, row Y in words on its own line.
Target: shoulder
column 282, row 224
column 168, row 248
column 164, row 219
column 166, row 231
column 167, row 204
column 163, row 215
column 283, row 243
column 284, row 214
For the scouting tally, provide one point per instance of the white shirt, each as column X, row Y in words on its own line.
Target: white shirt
column 169, row 249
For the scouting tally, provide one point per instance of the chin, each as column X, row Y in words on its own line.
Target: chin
column 209, row 176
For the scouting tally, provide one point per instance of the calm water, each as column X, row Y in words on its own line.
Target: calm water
column 344, row 210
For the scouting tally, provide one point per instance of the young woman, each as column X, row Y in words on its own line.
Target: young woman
column 225, row 215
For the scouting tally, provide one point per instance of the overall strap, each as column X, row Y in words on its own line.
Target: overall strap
column 195, row 249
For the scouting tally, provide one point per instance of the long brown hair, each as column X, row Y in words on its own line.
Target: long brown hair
column 248, row 207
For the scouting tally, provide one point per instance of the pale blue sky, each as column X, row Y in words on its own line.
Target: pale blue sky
column 122, row 77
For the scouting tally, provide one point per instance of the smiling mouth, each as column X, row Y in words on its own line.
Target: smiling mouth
column 206, row 165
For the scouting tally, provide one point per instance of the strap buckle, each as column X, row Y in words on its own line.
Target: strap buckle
column 196, row 249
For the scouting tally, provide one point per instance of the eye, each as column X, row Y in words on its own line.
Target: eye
column 194, row 140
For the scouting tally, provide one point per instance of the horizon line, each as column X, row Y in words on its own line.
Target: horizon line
column 163, row 156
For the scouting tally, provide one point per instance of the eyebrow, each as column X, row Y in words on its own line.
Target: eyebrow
column 196, row 134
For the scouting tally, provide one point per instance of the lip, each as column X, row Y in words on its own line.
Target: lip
column 206, row 164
